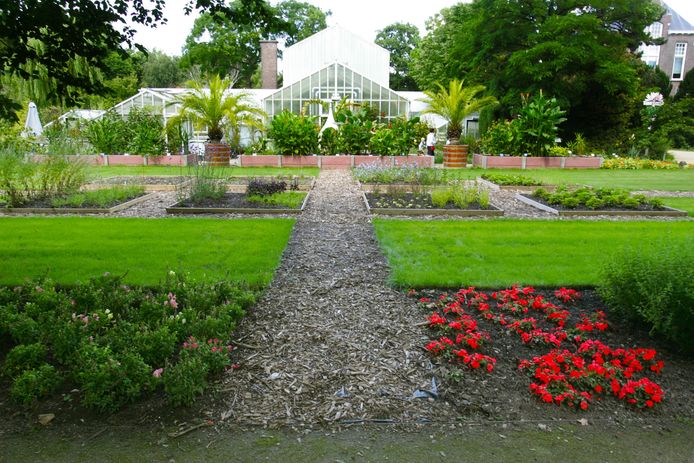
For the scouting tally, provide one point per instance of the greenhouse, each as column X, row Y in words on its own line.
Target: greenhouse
column 329, row 66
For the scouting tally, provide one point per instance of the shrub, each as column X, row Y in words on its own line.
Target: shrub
column 294, row 134
column 383, row 142
column 594, row 198
column 330, row 142
column 24, row 357
column 185, row 380
column 34, row 384
column 263, row 187
column 508, row 179
column 636, row 164
column 538, row 124
column 108, row 134
column 655, row 288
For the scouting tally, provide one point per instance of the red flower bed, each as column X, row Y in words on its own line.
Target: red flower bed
column 575, row 371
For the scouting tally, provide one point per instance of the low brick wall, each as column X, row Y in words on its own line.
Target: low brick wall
column 130, row 160
column 334, row 162
column 522, row 162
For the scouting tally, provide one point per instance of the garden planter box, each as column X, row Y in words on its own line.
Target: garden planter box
column 239, row 185
column 491, row 212
column 665, row 212
column 180, row 209
column 406, row 187
column 65, row 210
column 523, row 162
column 334, row 162
column 523, row 188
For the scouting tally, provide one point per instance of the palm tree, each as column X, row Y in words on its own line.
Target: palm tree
column 455, row 104
column 217, row 109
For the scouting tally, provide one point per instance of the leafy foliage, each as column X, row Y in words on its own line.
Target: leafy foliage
column 598, row 198
column 538, row 124
column 654, row 288
column 111, row 341
column 455, row 103
column 294, row 134
column 218, row 109
column 263, row 187
column 400, row 40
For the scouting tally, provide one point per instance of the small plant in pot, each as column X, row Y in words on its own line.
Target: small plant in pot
column 220, row 110
column 454, row 104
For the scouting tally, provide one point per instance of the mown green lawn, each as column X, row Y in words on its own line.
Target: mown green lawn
column 499, row 253
column 156, row 171
column 683, row 204
column 74, row 249
column 663, row 180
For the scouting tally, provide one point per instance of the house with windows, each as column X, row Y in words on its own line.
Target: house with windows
column 676, row 56
column 328, row 66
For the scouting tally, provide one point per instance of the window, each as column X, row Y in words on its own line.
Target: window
column 655, row 30
column 678, row 64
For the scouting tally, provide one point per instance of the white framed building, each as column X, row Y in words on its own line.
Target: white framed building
column 331, row 64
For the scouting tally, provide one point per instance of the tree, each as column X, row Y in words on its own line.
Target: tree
column 161, row 70
column 686, row 88
column 581, row 52
column 653, row 79
column 43, row 37
column 455, row 103
column 211, row 104
column 400, row 40
column 306, row 18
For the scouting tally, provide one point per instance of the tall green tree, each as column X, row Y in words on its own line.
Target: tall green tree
column 307, row 19
column 400, row 40
column 583, row 52
column 161, row 70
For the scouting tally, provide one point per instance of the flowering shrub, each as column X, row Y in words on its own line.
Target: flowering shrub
column 574, row 371
column 637, row 164
column 113, row 342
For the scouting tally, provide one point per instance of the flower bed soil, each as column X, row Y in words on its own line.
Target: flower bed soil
column 564, row 211
column 231, row 203
column 45, row 207
column 505, row 393
column 419, row 204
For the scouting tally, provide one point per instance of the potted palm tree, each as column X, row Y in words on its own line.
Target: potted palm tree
column 216, row 108
column 454, row 104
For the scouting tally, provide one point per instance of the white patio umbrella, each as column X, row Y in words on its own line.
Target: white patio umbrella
column 33, row 123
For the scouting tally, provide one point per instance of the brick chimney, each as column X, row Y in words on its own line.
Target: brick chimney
column 268, row 63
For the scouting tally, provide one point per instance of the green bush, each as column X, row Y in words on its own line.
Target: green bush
column 594, row 198
column 294, row 134
column 383, row 142
column 141, row 132
column 185, row 381
column 111, row 339
column 24, row 357
column 34, row 384
column 330, row 142
column 99, row 198
column 655, row 288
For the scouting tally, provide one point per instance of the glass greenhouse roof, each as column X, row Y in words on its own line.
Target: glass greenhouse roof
column 340, row 80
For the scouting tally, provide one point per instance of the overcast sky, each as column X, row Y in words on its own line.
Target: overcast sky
column 364, row 17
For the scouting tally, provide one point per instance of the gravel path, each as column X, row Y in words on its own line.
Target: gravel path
column 335, row 343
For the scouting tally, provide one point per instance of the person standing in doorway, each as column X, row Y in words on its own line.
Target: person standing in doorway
column 431, row 142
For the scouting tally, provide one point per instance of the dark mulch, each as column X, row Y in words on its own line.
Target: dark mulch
column 229, row 201
column 504, row 393
column 559, row 207
column 409, row 201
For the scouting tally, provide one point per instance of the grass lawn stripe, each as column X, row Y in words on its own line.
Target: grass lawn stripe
column 492, row 254
column 77, row 248
column 644, row 179
column 683, row 204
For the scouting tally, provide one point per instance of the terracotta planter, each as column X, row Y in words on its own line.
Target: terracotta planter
column 455, row 156
column 217, row 154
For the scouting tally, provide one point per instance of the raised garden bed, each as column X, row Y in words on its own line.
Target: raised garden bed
column 589, row 202
column 239, row 184
column 233, row 203
column 523, row 162
column 333, row 162
column 417, row 204
column 45, row 207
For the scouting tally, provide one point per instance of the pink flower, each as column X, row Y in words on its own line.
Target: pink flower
column 157, row 373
